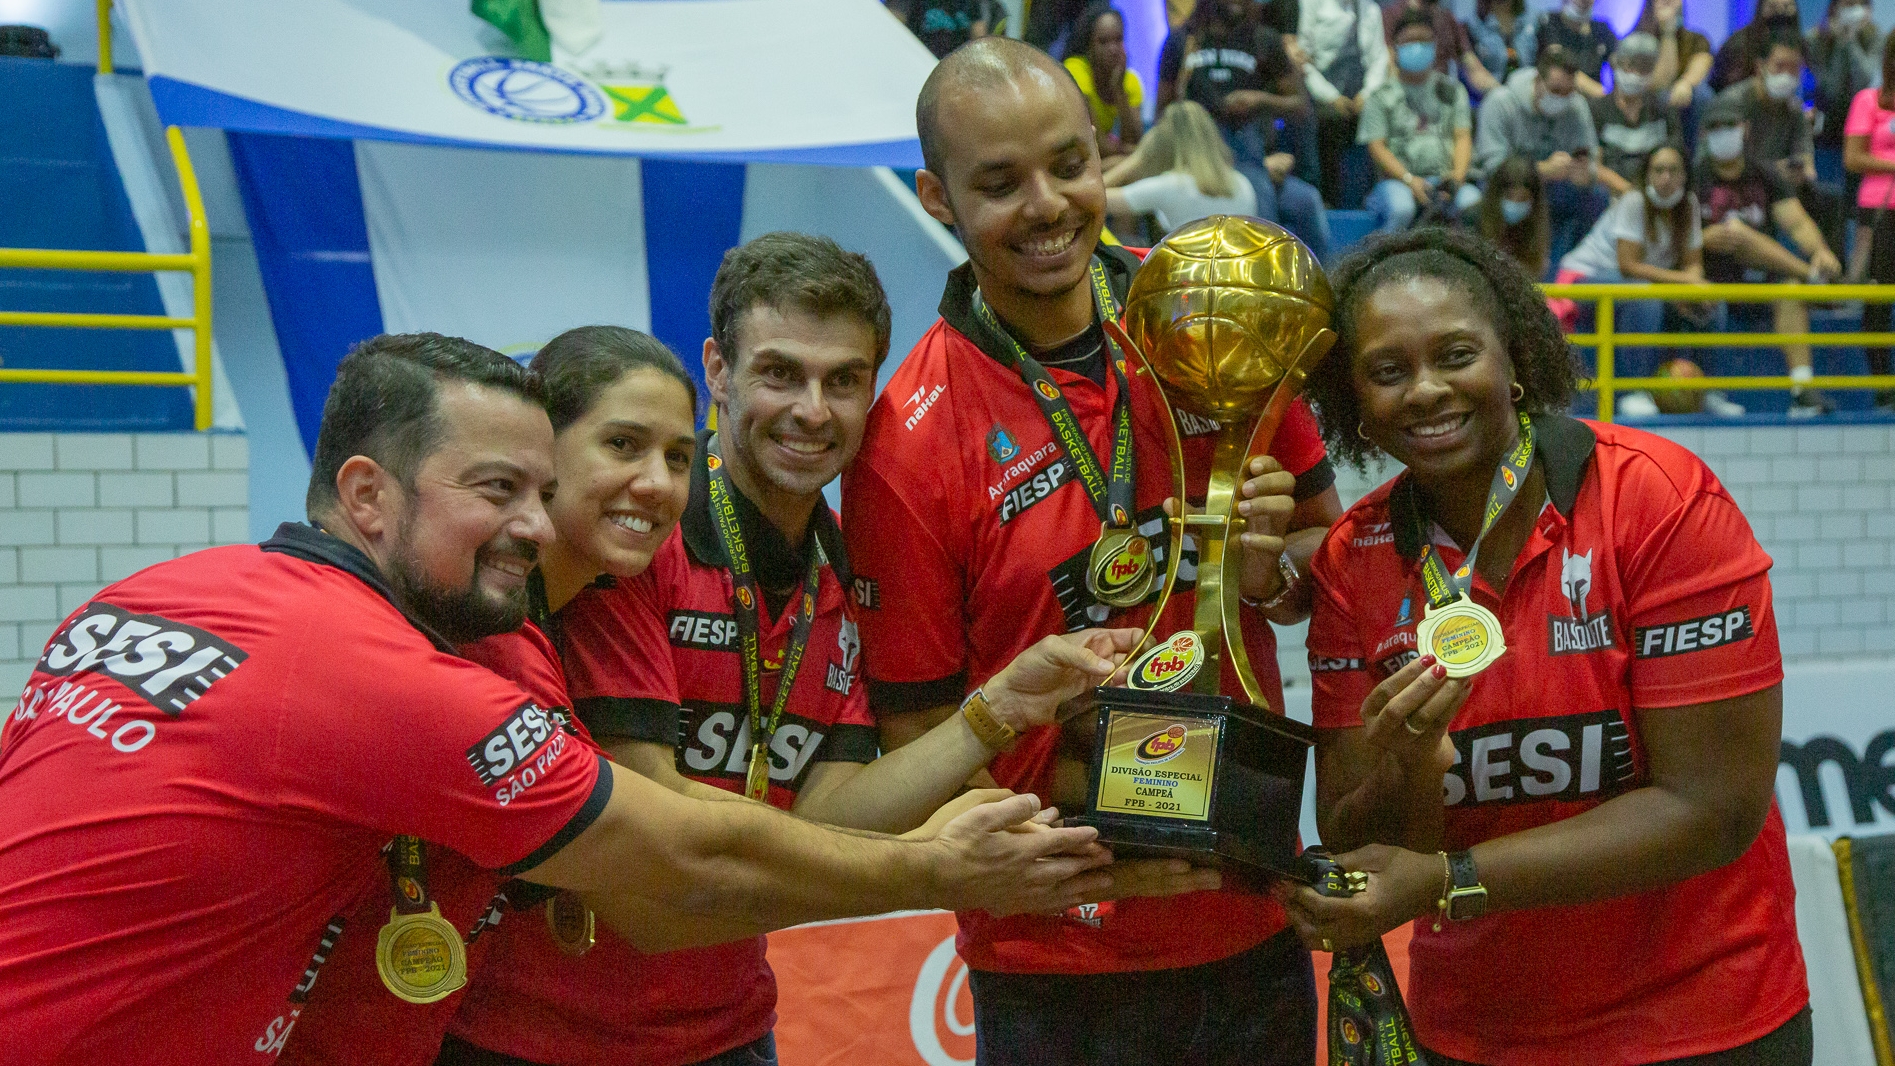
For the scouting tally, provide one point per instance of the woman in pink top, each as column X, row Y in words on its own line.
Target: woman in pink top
column 1868, row 149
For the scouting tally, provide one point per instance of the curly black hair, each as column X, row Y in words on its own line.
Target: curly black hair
column 1543, row 362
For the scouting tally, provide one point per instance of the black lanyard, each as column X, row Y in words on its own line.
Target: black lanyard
column 1443, row 587
column 747, row 606
column 1111, row 494
column 408, row 873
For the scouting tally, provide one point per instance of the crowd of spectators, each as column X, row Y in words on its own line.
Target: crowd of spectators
column 1650, row 157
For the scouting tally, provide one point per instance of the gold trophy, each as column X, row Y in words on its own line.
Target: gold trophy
column 1227, row 315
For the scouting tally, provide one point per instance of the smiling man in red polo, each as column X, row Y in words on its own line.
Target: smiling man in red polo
column 971, row 527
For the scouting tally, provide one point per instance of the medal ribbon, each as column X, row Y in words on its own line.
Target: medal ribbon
column 747, row 606
column 1111, row 493
column 408, row 866
column 1443, row 587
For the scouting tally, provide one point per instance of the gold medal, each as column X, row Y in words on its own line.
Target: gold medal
column 757, row 783
column 1120, row 571
column 420, row 956
column 1170, row 666
column 1462, row 636
column 571, row 923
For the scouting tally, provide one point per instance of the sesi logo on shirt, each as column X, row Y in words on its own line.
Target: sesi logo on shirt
column 512, row 744
column 169, row 663
column 1564, row 757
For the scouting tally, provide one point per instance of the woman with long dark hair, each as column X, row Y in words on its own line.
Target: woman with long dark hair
column 1550, row 695
column 1869, row 151
column 1650, row 234
column 1513, row 214
column 1096, row 60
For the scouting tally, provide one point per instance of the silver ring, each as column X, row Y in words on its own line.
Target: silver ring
column 1409, row 724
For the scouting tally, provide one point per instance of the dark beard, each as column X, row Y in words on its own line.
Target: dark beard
column 463, row 615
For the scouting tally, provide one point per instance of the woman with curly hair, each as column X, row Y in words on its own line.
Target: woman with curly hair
column 1574, row 804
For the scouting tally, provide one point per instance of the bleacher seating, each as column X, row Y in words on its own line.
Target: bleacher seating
column 61, row 189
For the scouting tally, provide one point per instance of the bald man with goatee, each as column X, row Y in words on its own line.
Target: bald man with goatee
column 970, row 527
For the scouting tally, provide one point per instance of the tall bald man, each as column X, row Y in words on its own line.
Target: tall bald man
column 970, row 521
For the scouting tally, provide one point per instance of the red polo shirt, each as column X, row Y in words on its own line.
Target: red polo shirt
column 655, row 659
column 351, row 1019
column 1640, row 588
column 969, row 535
column 252, row 726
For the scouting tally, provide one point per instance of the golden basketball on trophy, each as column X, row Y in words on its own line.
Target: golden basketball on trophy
column 1227, row 315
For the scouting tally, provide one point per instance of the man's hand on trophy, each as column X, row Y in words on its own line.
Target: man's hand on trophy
column 1028, row 691
column 1266, row 504
column 1002, row 857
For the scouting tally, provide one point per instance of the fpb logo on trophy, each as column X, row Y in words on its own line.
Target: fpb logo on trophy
column 941, row 1013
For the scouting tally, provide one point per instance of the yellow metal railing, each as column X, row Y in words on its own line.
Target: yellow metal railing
column 196, row 262
column 105, row 36
column 1607, row 340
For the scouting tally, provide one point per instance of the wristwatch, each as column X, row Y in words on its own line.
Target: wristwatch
column 989, row 730
column 1290, row 576
column 1467, row 897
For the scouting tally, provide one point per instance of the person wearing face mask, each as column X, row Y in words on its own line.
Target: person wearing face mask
column 1650, row 234
column 1846, row 57
column 1634, row 120
column 1513, row 215
column 1869, row 151
column 1738, row 57
column 1588, row 40
column 1742, row 205
column 1452, row 43
column 1418, row 130
column 1544, row 118
column 1781, row 133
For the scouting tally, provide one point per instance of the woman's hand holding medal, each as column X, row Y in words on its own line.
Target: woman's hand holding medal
column 1407, row 715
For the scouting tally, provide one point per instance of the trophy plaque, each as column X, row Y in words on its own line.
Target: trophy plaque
column 1227, row 315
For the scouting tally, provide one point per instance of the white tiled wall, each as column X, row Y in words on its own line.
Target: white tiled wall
column 80, row 510
column 1822, row 502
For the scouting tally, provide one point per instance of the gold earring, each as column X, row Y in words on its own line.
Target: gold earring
column 1518, row 392
column 1359, row 433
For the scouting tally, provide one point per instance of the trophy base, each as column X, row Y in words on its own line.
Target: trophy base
column 1209, row 779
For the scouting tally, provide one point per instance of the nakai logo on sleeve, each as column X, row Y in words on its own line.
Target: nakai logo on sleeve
column 1696, row 634
column 168, row 663
column 518, row 751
